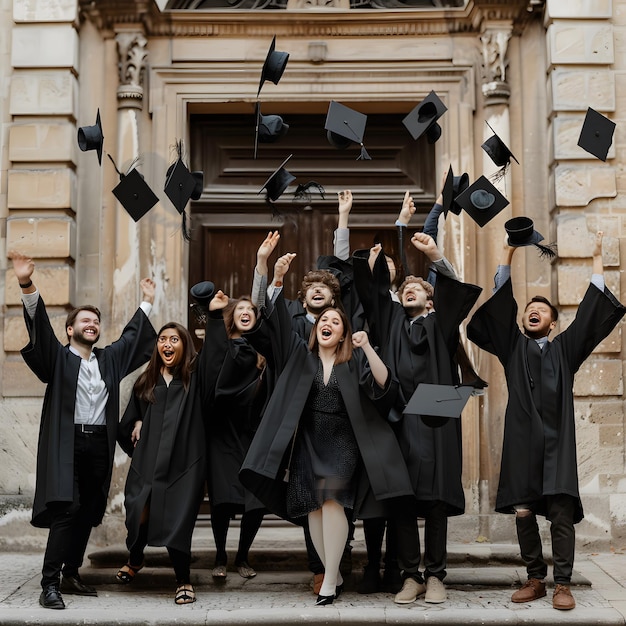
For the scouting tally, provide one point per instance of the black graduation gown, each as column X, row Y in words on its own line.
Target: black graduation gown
column 58, row 367
column 168, row 464
column 232, row 416
column 263, row 470
column 423, row 353
column 539, row 447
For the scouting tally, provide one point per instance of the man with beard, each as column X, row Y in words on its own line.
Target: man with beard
column 78, row 424
column 419, row 347
column 539, row 471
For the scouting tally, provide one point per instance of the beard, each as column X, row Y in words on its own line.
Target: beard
column 89, row 341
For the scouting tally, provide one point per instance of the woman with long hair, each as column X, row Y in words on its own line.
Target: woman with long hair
column 323, row 424
column 162, row 430
column 231, row 421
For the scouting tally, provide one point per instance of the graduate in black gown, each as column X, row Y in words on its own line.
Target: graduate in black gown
column 419, row 347
column 162, row 430
column 232, row 418
column 539, row 472
column 323, row 433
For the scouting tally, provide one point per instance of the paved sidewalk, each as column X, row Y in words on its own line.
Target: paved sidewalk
column 480, row 580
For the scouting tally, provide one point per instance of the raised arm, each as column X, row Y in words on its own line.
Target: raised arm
column 378, row 368
column 341, row 238
column 259, row 284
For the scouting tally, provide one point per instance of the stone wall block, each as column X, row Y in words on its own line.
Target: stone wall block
column 578, row 9
column 41, row 189
column 617, row 505
column 610, row 345
column 42, row 142
column 575, row 90
column 599, row 377
column 576, row 231
column 42, row 237
column 18, row 380
column 46, row 45
column 16, row 336
column 578, row 185
column 45, row 10
column 51, row 92
column 573, row 280
column 599, row 412
column 580, row 43
column 56, row 284
column 611, row 436
column 566, row 131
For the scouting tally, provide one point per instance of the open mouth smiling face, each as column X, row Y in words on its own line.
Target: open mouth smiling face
column 537, row 320
column 244, row 316
column 318, row 295
column 170, row 348
column 330, row 329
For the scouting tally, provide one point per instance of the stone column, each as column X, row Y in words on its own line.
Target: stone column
column 132, row 53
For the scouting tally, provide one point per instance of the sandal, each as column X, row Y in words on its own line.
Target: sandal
column 245, row 571
column 219, row 572
column 127, row 573
column 185, row 594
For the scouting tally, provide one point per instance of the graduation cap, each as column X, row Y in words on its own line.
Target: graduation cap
column 267, row 128
column 482, row 201
column 202, row 292
column 521, row 232
column 436, row 403
column 276, row 184
column 181, row 186
column 303, row 191
column 448, row 191
column 499, row 153
column 423, row 118
column 459, row 185
column 274, row 65
column 596, row 135
column 344, row 127
column 91, row 138
column 134, row 194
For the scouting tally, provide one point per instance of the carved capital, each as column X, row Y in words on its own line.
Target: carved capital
column 495, row 42
column 132, row 55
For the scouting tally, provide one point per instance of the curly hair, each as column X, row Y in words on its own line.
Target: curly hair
column 428, row 288
column 320, row 276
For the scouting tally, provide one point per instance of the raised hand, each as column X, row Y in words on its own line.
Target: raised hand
column 426, row 244
column 219, row 301
column 23, row 266
column 148, row 289
column 408, row 208
column 281, row 267
column 374, row 252
column 360, row 339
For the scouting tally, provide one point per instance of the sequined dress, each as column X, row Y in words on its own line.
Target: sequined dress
column 325, row 453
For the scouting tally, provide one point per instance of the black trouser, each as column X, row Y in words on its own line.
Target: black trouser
column 72, row 522
column 405, row 514
column 181, row 561
column 249, row 527
column 560, row 511
column 374, row 531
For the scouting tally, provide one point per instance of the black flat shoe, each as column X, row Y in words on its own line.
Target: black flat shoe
column 324, row 600
column 51, row 598
column 73, row 585
column 338, row 590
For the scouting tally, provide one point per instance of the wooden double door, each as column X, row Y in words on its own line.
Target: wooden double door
column 232, row 217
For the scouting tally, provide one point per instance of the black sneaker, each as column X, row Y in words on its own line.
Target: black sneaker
column 51, row 598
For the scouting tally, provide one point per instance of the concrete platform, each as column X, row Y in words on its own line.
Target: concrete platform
column 480, row 581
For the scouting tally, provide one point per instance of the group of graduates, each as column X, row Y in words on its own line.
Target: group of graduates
column 299, row 408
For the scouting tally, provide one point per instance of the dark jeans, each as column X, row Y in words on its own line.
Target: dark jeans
column 72, row 522
column 560, row 511
column 374, row 531
column 405, row 513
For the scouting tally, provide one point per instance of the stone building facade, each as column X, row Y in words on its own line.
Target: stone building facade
column 162, row 71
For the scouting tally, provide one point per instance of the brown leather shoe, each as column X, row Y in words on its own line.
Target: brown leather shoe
column 532, row 589
column 562, row 598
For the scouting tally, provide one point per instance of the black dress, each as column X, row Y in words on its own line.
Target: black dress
column 325, row 454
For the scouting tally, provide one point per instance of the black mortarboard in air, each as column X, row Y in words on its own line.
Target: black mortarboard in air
column 276, row 184
column 482, row 201
column 181, row 186
column 91, row 138
column 499, row 153
column 135, row 194
column 459, row 185
column 344, row 127
column 596, row 135
column 274, row 65
column 423, row 118
column 202, row 292
column 436, row 403
column 267, row 128
column 521, row 232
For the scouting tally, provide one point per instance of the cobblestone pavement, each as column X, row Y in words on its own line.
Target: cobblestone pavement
column 477, row 595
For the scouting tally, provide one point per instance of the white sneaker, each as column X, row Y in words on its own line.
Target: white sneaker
column 435, row 591
column 411, row 589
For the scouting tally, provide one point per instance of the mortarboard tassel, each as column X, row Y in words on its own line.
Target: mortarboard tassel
column 364, row 156
column 302, row 191
column 546, row 251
